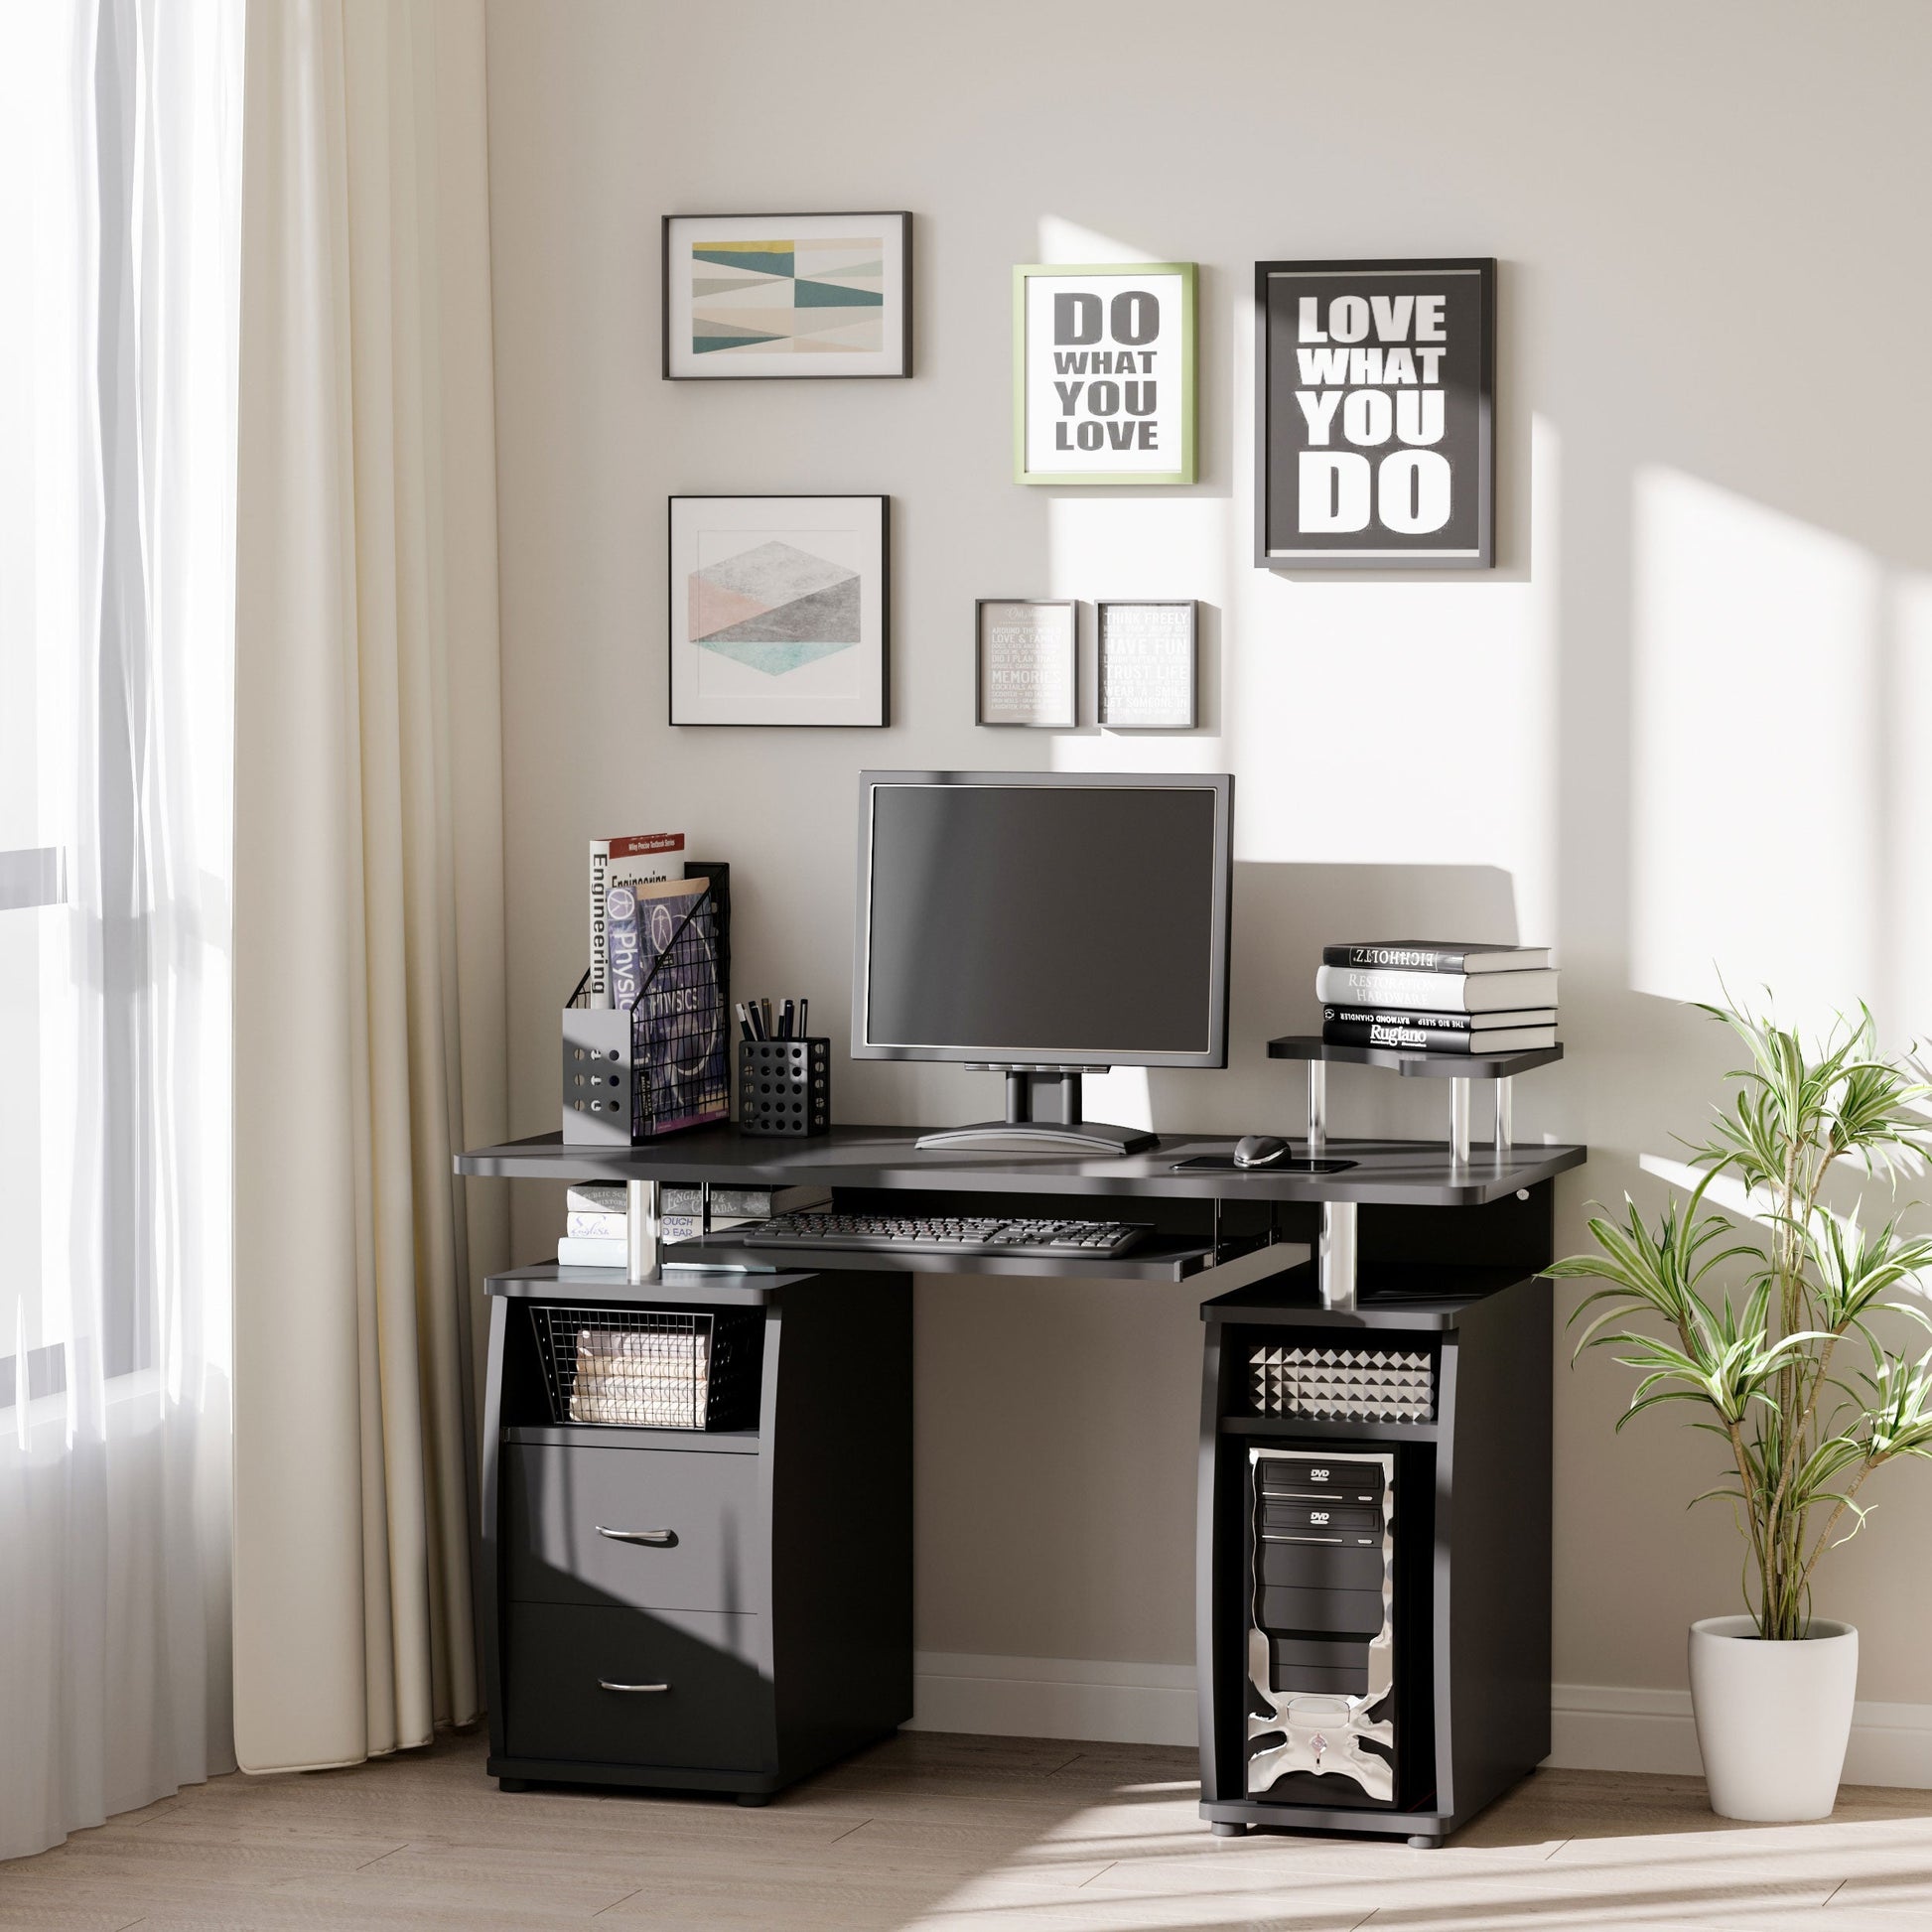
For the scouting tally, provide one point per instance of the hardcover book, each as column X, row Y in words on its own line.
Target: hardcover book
column 1436, row 992
column 1395, row 1032
column 640, row 860
column 1435, row 955
column 1451, row 1022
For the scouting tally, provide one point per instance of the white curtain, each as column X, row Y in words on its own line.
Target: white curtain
column 369, row 1036
column 120, row 229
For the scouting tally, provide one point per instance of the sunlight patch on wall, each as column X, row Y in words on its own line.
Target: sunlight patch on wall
column 1907, row 937
column 1754, row 748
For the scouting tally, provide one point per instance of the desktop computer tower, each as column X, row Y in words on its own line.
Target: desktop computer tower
column 1374, row 1550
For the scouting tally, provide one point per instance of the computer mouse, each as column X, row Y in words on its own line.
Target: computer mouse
column 1258, row 1149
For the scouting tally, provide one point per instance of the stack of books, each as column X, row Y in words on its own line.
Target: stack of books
column 683, row 1210
column 1437, row 995
column 596, row 1227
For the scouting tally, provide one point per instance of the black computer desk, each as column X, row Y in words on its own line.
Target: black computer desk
column 780, row 1612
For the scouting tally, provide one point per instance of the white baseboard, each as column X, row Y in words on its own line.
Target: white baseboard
column 1592, row 1727
column 1054, row 1696
column 1606, row 1728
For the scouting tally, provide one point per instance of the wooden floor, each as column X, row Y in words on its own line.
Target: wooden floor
column 965, row 1833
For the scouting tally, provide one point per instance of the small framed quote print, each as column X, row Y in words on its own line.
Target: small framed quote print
column 781, row 609
column 1374, row 400
column 1147, row 666
column 1028, row 662
column 787, row 294
column 1103, row 373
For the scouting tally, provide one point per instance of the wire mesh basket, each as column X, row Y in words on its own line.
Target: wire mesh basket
column 651, row 1368
column 660, row 1060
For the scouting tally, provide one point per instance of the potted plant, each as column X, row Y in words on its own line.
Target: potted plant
column 1757, row 1350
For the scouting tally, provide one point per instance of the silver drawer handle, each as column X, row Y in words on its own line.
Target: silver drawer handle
column 657, row 1539
column 605, row 1683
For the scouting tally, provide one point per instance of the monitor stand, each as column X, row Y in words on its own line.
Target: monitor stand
column 1043, row 1116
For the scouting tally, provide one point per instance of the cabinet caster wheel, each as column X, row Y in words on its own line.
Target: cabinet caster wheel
column 1423, row 1843
column 512, row 1784
column 1229, row 1831
column 752, row 1799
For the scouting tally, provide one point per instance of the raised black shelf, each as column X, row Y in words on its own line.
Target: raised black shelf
column 1389, row 1294
column 1386, row 1173
column 1414, row 1065
column 545, row 1281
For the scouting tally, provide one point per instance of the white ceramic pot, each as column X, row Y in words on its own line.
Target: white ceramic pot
column 1773, row 1718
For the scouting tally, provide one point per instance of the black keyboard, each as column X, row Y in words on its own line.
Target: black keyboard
column 943, row 1234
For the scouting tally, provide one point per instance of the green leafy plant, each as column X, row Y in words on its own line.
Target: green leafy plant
column 1758, row 1350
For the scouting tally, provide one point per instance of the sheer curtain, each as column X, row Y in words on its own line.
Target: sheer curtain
column 120, row 147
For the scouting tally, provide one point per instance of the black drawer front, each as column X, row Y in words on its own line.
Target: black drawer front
column 561, row 1501
column 1322, row 1612
column 1318, row 1475
column 1321, row 1565
column 716, row 1715
column 1292, row 1516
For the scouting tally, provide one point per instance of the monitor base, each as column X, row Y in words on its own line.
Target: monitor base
column 1042, row 1117
column 1040, row 1137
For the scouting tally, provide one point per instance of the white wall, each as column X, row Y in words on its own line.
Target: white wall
column 1679, row 724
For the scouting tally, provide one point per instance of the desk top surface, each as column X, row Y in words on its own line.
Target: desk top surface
column 1406, row 1174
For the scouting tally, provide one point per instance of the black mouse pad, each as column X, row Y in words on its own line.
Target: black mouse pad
column 1286, row 1164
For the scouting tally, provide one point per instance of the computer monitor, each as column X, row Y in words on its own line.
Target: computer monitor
column 1043, row 924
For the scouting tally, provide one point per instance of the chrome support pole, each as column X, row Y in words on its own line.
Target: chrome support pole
column 1338, row 1253
column 640, row 1229
column 1317, row 1106
column 1505, row 1116
column 1460, row 1120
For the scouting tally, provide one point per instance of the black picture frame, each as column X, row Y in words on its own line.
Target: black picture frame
column 804, row 373
column 1071, row 606
column 672, row 634
column 1101, row 609
column 1469, row 284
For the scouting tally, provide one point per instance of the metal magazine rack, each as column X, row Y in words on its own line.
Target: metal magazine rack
column 664, row 1062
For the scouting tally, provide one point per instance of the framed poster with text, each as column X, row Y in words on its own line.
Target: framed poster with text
column 1145, row 657
column 1103, row 373
column 1375, row 405
column 1029, row 662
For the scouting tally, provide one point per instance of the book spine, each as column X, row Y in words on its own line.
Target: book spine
column 624, row 944
column 1450, row 1022
column 598, row 1197
column 595, row 1227
column 680, row 1200
column 600, row 988
column 1403, row 992
column 591, row 1254
column 760, row 1204
column 1405, row 960
column 679, row 1227
column 1395, row 1032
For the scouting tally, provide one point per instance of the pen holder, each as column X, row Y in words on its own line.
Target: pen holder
column 784, row 1087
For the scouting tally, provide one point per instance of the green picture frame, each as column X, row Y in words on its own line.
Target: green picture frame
column 1108, row 371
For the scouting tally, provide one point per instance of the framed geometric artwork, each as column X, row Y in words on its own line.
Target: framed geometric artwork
column 781, row 609
column 1375, row 415
column 1103, row 373
column 1029, row 662
column 1145, row 653
column 787, row 294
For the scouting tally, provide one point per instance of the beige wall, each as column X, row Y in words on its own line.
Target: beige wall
column 1714, row 559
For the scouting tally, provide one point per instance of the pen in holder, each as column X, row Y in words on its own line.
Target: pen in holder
column 784, row 1087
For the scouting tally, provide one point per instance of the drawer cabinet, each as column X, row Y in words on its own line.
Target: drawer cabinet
column 714, row 1713
column 659, row 1529
column 762, row 1576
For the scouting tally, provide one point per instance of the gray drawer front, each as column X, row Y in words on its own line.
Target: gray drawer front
column 717, row 1714
column 554, row 1553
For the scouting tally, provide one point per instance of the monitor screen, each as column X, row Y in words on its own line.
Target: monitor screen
column 1019, row 919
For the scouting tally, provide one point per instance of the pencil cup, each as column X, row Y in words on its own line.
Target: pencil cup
column 784, row 1087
